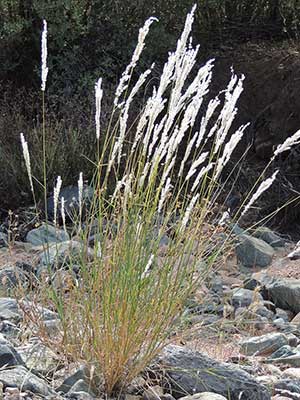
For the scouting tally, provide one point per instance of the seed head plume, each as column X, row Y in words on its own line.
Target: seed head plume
column 44, row 57
column 63, row 214
column 27, row 160
column 123, row 84
column 260, row 190
column 148, row 266
column 287, row 144
column 164, row 193
column 202, row 173
column 56, row 197
column 229, row 148
column 188, row 211
column 80, row 193
column 98, row 96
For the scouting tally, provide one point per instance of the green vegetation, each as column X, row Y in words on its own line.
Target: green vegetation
column 89, row 36
column 123, row 306
column 156, row 179
column 88, row 39
column 129, row 294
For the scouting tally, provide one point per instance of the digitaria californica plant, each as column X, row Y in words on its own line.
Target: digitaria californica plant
column 121, row 311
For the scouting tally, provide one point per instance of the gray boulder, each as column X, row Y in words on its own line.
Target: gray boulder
column 46, row 233
column 71, row 196
column 44, row 313
column 268, row 236
column 264, row 344
column 284, row 351
column 81, row 374
column 9, row 330
column 292, row 385
column 244, row 297
column 3, row 239
column 81, row 389
column 39, row 358
column 187, row 371
column 9, row 309
column 264, row 312
column 21, row 378
column 62, row 254
column 204, row 396
column 12, row 277
column 252, row 252
column 280, row 324
column 285, row 293
column 292, row 360
column 283, row 314
column 79, row 396
column 9, row 357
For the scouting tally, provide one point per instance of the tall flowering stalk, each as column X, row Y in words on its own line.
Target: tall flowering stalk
column 44, row 75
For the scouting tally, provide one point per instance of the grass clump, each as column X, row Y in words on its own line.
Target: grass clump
column 156, row 184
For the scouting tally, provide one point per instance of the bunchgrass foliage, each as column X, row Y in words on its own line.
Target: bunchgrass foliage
column 152, row 232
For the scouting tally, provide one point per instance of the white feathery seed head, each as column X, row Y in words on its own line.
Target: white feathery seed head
column 127, row 186
column 125, row 110
column 123, row 83
column 27, row 160
column 63, row 214
column 187, row 152
column 287, row 144
column 164, row 192
column 80, row 192
column 181, row 44
column 148, row 266
column 203, row 171
column 98, row 98
column 212, row 105
column 200, row 160
column 113, row 155
column 168, row 170
column 224, row 218
column 144, row 174
column 44, row 57
column 188, row 211
column 296, row 252
column 260, row 190
column 229, row 110
column 118, row 187
column 157, row 130
column 56, row 192
column 229, row 148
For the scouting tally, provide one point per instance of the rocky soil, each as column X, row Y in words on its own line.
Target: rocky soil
column 239, row 337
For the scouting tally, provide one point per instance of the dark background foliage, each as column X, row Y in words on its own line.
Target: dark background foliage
column 88, row 38
column 92, row 38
